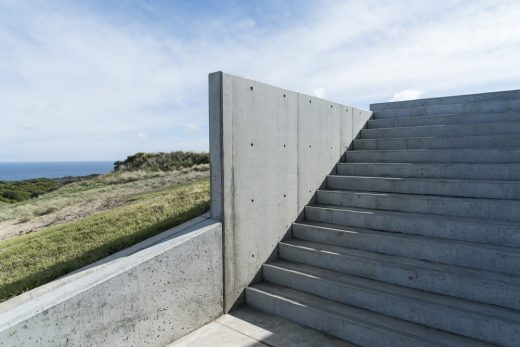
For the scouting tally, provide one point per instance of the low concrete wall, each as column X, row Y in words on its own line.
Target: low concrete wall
column 147, row 295
column 270, row 150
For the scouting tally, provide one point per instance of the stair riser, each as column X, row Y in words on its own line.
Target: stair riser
column 490, row 106
column 440, row 252
column 504, row 235
column 347, row 329
column 444, row 171
column 504, row 210
column 444, row 317
column 441, row 130
column 471, row 189
column 439, row 282
column 499, row 156
column 447, row 100
column 443, row 120
column 504, row 141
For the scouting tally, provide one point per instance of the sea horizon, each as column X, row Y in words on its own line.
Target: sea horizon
column 17, row 171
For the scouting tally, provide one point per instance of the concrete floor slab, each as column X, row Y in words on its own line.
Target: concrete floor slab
column 247, row 327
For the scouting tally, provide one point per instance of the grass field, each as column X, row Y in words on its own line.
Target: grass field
column 87, row 196
column 148, row 205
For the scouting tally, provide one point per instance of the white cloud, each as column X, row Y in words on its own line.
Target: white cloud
column 320, row 92
column 142, row 135
column 192, row 127
column 76, row 82
column 407, row 94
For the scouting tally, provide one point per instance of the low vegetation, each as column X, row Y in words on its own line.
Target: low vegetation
column 34, row 259
column 16, row 191
column 161, row 161
column 86, row 196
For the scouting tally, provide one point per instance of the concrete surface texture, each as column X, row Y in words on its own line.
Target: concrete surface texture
column 270, row 150
column 414, row 238
column 147, row 295
column 246, row 327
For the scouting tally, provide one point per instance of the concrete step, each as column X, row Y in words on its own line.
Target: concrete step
column 436, row 186
column 489, row 209
column 461, row 282
column 461, row 253
column 479, row 141
column 447, row 100
column 352, row 324
column 496, row 128
column 469, row 118
column 501, row 172
column 458, row 107
column 463, row 155
column 441, row 227
column 472, row 319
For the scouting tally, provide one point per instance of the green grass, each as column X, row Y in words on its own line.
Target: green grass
column 116, row 189
column 37, row 258
column 17, row 191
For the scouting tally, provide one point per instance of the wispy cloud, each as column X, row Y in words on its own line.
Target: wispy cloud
column 407, row 94
column 192, row 127
column 319, row 92
column 90, row 75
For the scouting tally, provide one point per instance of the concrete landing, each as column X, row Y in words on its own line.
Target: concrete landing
column 251, row 328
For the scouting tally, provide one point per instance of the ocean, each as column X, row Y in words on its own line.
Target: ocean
column 23, row 171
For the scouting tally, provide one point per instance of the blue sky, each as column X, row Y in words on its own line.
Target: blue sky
column 100, row 80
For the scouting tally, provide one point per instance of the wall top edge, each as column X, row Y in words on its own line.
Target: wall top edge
column 232, row 76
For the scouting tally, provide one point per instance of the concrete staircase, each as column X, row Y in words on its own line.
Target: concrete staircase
column 414, row 239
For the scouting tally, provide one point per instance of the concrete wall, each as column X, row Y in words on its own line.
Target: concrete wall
column 270, row 149
column 147, row 295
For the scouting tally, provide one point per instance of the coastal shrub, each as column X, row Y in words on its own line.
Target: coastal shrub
column 16, row 191
column 161, row 161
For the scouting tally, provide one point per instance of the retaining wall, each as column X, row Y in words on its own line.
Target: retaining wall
column 147, row 295
column 270, row 149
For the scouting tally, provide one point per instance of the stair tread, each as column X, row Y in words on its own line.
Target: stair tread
column 394, row 235
column 493, row 209
column 425, row 196
column 510, row 149
column 388, row 289
column 460, row 118
column 455, row 180
column 406, row 262
column 439, row 126
column 440, row 115
column 432, row 164
column 465, row 171
column 426, row 215
column 437, row 137
column 363, row 317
